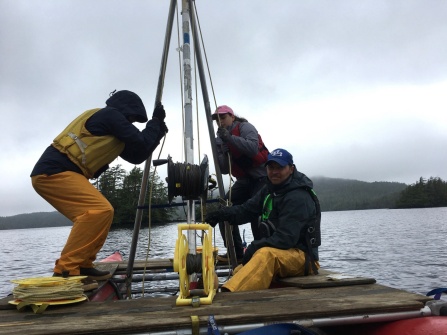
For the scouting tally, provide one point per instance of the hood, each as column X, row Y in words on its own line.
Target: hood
column 129, row 104
column 301, row 179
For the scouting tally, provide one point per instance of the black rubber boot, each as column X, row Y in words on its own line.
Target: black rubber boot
column 95, row 274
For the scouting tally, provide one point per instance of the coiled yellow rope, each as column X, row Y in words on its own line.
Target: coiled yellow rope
column 45, row 289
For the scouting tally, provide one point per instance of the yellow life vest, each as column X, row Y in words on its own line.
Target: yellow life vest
column 87, row 151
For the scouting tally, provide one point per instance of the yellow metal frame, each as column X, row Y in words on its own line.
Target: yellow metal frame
column 180, row 255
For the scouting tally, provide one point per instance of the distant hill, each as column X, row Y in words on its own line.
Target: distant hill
column 34, row 220
column 335, row 195
column 346, row 194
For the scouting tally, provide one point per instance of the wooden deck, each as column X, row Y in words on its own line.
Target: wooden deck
column 308, row 298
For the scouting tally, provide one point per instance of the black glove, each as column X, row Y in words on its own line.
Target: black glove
column 159, row 112
column 163, row 130
column 249, row 252
column 224, row 148
column 213, row 218
column 224, row 134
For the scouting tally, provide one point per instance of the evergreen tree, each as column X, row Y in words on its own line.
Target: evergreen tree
column 128, row 197
column 123, row 191
column 109, row 184
column 423, row 194
column 158, row 193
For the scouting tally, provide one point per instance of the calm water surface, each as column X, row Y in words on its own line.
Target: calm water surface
column 399, row 248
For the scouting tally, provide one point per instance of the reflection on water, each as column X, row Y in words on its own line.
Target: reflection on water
column 399, row 248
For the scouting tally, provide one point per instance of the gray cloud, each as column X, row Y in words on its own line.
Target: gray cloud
column 355, row 89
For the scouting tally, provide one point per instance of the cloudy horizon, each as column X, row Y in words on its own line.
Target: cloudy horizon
column 354, row 90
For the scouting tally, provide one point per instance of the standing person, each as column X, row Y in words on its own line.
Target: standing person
column 290, row 218
column 241, row 153
column 83, row 151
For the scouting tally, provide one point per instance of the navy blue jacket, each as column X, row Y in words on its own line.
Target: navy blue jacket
column 292, row 209
column 111, row 120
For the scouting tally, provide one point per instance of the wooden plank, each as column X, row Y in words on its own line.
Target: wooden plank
column 153, row 264
column 4, row 303
column 324, row 278
column 161, row 314
column 319, row 299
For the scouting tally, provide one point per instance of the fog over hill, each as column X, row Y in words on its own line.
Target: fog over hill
column 335, row 194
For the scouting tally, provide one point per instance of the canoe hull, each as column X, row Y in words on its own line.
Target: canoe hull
column 415, row 326
column 108, row 290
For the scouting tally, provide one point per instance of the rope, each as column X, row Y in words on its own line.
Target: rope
column 150, row 218
column 193, row 263
column 186, row 175
column 215, row 103
column 204, row 52
column 185, row 180
column 49, row 291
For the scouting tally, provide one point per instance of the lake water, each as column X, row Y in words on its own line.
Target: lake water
column 403, row 249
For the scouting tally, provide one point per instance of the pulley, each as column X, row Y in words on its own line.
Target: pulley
column 187, row 180
column 186, row 264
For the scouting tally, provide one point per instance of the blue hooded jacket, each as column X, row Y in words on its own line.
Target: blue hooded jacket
column 112, row 120
column 293, row 208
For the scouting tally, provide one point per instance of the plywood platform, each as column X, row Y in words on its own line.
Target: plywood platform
column 152, row 315
column 325, row 278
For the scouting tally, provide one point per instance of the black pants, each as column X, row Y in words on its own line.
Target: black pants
column 242, row 190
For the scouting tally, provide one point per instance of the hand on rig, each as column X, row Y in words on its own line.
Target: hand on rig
column 224, row 134
column 159, row 112
column 213, row 218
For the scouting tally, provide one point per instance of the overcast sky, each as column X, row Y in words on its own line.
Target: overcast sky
column 353, row 89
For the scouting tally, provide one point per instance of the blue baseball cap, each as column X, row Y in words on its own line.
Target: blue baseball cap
column 280, row 156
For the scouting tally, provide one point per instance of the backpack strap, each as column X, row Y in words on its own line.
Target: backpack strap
column 310, row 260
column 267, row 207
column 313, row 236
column 265, row 226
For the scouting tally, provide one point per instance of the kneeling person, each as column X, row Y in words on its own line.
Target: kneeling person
column 290, row 218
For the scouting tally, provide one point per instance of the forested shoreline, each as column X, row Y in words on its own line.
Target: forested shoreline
column 122, row 190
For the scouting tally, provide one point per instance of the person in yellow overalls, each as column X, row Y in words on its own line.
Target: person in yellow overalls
column 289, row 223
column 82, row 151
